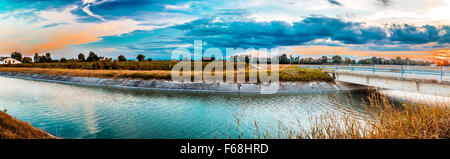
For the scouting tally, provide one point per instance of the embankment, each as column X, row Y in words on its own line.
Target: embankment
column 12, row 128
column 310, row 86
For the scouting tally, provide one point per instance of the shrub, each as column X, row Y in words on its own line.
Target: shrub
column 140, row 57
column 27, row 60
column 121, row 58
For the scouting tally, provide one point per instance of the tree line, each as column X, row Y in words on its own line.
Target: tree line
column 92, row 57
column 283, row 59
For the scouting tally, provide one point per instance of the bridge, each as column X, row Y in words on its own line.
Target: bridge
column 432, row 80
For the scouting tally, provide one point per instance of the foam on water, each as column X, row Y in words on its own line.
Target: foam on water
column 415, row 97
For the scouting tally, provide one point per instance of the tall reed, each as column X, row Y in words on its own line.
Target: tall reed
column 387, row 119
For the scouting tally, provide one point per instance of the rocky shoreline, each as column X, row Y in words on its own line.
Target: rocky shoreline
column 189, row 86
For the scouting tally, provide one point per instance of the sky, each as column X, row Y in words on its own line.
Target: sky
column 418, row 29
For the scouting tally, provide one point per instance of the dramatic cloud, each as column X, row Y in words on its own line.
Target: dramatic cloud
column 277, row 33
column 385, row 2
column 334, row 2
column 234, row 31
column 408, row 34
column 140, row 10
column 29, row 31
column 178, row 7
column 33, row 4
column 53, row 24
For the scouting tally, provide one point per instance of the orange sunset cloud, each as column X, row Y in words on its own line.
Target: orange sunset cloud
column 62, row 39
column 433, row 55
column 28, row 39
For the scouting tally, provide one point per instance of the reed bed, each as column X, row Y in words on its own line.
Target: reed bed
column 387, row 119
column 292, row 75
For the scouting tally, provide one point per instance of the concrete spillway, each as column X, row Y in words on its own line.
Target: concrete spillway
column 171, row 85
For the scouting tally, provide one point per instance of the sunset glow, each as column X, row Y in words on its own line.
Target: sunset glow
column 112, row 27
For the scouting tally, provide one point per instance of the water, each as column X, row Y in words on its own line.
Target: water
column 73, row 111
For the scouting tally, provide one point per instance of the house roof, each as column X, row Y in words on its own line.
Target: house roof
column 4, row 58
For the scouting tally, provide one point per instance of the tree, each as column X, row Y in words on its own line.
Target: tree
column 17, row 56
column 36, row 58
column 284, row 59
column 48, row 57
column 122, row 58
column 347, row 60
column 324, row 59
column 81, row 57
column 27, row 60
column 92, row 57
column 149, row 59
column 398, row 61
column 336, row 59
column 63, row 60
column 309, row 60
column 374, row 60
column 42, row 59
column 140, row 57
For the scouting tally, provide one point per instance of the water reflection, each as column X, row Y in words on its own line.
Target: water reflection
column 73, row 111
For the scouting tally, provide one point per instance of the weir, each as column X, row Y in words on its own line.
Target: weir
column 312, row 86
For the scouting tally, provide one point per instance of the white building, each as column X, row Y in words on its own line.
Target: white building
column 9, row 60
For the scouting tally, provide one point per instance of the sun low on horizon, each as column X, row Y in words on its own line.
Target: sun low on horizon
column 417, row 29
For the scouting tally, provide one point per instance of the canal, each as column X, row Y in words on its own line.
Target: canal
column 75, row 111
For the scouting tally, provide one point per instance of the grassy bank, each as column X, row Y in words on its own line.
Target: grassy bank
column 387, row 119
column 12, row 128
column 101, row 65
column 294, row 74
column 286, row 74
column 134, row 74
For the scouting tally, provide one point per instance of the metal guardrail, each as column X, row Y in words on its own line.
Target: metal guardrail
column 440, row 71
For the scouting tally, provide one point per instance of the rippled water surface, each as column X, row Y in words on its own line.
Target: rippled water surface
column 73, row 111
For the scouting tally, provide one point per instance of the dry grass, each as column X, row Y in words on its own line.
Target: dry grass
column 386, row 120
column 304, row 74
column 152, row 74
column 12, row 128
column 101, row 65
column 287, row 74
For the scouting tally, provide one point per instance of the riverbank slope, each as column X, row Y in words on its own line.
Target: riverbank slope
column 12, row 128
column 290, row 80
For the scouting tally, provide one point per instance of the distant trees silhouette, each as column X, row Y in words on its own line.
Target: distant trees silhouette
column 337, row 59
column 140, row 57
column 283, row 59
column 92, row 57
column 44, row 58
column 27, row 60
column 63, row 60
column 17, row 56
column 121, row 58
column 81, row 57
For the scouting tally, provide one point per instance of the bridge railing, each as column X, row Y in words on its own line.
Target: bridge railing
column 441, row 72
